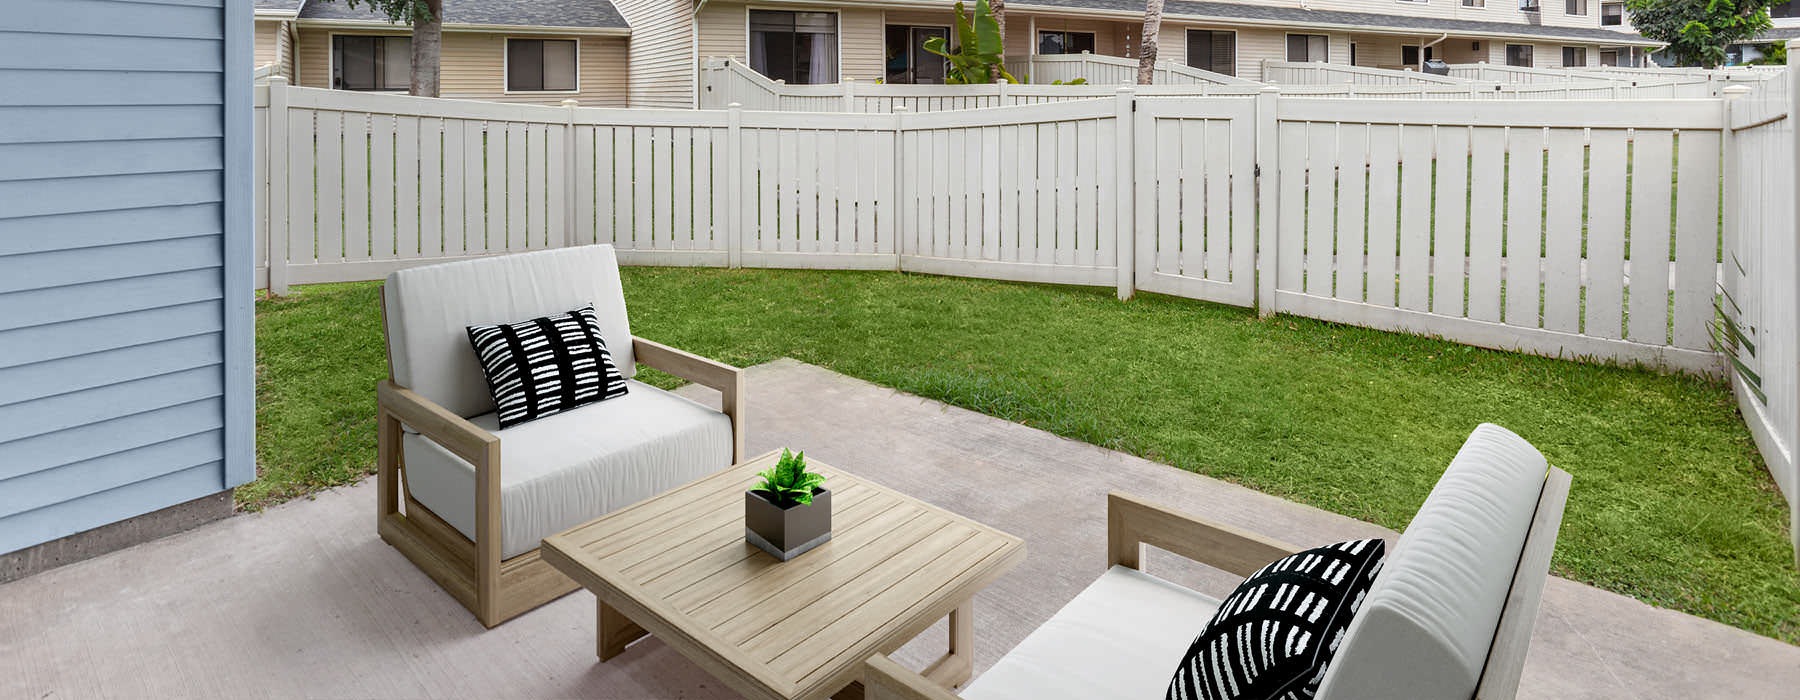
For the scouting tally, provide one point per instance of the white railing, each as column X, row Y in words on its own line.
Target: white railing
column 1110, row 70
column 1314, row 73
column 1488, row 72
column 724, row 81
column 1761, row 264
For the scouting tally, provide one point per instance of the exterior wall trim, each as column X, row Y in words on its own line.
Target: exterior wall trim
column 238, row 238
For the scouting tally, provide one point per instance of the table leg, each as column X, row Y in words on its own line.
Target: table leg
column 615, row 631
column 957, row 664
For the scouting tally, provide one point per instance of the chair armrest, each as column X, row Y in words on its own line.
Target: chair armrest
column 727, row 379
column 1131, row 522
column 885, row 680
column 455, row 433
column 687, row 365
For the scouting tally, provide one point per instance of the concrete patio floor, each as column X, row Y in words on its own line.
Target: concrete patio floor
column 305, row 601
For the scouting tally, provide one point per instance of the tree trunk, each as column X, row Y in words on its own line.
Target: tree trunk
column 427, row 50
column 998, row 8
column 1153, row 11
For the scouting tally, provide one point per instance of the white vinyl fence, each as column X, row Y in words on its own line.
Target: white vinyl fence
column 1318, row 73
column 361, row 184
column 1586, row 229
column 1110, row 70
column 724, row 82
column 1761, row 333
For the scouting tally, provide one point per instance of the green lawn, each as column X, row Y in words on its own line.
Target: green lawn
column 1671, row 503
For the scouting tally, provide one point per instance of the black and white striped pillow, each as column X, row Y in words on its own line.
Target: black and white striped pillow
column 545, row 366
column 1274, row 636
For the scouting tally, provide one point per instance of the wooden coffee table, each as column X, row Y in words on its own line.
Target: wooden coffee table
column 677, row 566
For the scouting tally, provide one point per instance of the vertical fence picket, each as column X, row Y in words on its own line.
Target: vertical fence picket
column 1384, row 214
column 1487, row 197
column 1697, row 236
column 1415, row 216
column 1524, row 225
column 1652, row 180
column 1450, row 221
column 1563, row 226
column 1605, row 254
column 1321, row 206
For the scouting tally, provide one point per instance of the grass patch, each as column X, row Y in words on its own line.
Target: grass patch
column 1671, row 503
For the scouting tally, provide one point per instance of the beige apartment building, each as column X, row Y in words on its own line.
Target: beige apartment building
column 647, row 52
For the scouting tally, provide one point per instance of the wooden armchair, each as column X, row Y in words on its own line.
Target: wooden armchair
column 1116, row 638
column 439, row 450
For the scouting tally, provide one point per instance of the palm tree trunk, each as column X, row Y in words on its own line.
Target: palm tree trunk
column 427, row 50
column 998, row 8
column 1153, row 11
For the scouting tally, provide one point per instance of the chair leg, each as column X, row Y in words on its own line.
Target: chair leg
column 487, row 536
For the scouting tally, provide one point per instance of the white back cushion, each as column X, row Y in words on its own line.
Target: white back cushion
column 429, row 310
column 1425, row 628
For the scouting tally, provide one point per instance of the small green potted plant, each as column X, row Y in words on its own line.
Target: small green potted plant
column 788, row 512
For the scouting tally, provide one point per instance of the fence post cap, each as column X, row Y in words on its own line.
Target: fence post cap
column 901, row 109
column 571, row 102
column 278, row 80
column 1734, row 91
column 735, row 105
column 1266, row 89
column 1125, row 90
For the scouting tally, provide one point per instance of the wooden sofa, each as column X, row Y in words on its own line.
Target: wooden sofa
column 473, row 526
column 1449, row 616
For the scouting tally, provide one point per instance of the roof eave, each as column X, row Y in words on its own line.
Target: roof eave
column 468, row 27
column 1138, row 16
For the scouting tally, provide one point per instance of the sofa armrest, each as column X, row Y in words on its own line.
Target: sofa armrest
column 727, row 379
column 885, row 680
column 466, row 440
column 1131, row 523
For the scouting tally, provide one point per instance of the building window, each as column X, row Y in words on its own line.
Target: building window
column 1577, row 7
column 1474, row 3
column 1574, row 57
column 1410, row 55
column 371, row 62
column 1308, row 48
column 1213, row 51
column 908, row 63
column 1053, row 43
column 1529, row 6
column 1518, row 55
column 1783, row 10
column 1612, row 14
column 1609, row 57
column 541, row 65
column 798, row 47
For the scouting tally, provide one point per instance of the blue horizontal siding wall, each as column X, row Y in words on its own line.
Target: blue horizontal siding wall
column 126, row 325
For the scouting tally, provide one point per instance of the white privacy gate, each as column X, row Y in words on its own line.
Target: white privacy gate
column 1196, row 197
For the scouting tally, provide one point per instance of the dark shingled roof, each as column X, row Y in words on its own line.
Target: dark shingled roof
column 1779, row 34
column 1348, row 20
column 289, row 5
column 586, row 14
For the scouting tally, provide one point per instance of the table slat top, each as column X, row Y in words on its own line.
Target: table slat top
column 794, row 629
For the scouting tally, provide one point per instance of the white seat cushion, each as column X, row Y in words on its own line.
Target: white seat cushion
column 1425, row 629
column 1122, row 637
column 564, row 470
